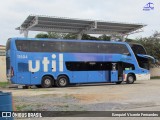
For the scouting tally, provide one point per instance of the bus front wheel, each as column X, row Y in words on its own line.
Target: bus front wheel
column 130, row 79
column 47, row 82
column 62, row 81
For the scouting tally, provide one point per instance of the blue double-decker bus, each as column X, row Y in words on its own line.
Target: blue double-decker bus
column 48, row 62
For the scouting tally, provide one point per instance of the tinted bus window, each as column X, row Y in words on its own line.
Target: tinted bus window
column 113, row 48
column 103, row 48
column 52, row 46
column 138, row 49
column 87, row 47
column 23, row 67
column 35, row 46
column 38, row 46
column 8, row 44
column 88, row 66
column 7, row 63
column 23, row 45
column 70, row 47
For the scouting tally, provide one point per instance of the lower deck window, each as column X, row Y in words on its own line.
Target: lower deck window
column 88, row 66
column 97, row 66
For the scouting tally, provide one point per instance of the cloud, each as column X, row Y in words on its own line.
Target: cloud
column 14, row 12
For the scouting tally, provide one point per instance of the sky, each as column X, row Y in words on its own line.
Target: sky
column 14, row 12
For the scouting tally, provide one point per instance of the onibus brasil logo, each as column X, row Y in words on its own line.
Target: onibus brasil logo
column 149, row 6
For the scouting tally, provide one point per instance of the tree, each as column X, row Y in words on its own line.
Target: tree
column 104, row 37
column 88, row 37
column 42, row 35
column 69, row 36
column 130, row 40
column 55, row 35
column 151, row 44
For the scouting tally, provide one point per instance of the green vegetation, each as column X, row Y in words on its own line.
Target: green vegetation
column 24, row 108
column 151, row 44
column 155, row 77
column 4, row 84
column 71, row 36
column 67, row 96
column 66, row 106
column 20, row 107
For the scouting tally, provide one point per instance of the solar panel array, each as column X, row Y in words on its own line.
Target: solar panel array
column 77, row 26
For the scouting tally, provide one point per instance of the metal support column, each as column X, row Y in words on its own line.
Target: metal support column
column 113, row 38
column 123, row 39
column 79, row 36
column 26, row 34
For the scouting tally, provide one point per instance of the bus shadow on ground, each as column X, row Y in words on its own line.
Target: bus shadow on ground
column 100, row 84
column 18, row 87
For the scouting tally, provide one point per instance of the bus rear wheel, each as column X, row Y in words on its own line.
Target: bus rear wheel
column 62, row 81
column 130, row 79
column 47, row 82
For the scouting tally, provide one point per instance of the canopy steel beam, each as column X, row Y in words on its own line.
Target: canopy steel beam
column 92, row 26
column 76, row 26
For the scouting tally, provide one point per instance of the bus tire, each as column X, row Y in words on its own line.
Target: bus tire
column 119, row 82
column 62, row 81
column 130, row 79
column 47, row 82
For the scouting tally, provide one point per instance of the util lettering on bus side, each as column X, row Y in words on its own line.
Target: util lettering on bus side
column 45, row 63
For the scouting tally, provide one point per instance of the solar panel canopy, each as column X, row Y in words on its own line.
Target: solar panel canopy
column 76, row 26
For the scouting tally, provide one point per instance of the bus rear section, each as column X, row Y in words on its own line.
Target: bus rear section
column 10, row 62
column 9, row 72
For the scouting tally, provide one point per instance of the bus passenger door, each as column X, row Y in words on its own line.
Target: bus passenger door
column 120, row 71
column 35, row 79
column 35, row 76
column 114, row 73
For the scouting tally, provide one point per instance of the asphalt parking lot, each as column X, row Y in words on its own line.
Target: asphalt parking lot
column 141, row 96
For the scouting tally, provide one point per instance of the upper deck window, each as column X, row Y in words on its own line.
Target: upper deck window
column 70, row 47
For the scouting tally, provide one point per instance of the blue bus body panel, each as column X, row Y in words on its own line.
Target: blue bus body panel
column 75, row 77
column 20, row 63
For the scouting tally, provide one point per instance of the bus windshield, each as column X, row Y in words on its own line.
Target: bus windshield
column 142, row 61
column 138, row 49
